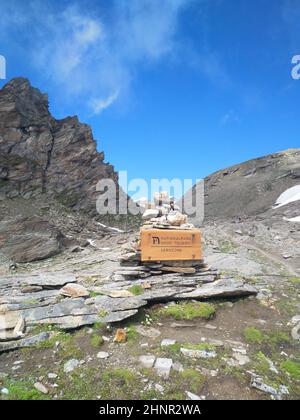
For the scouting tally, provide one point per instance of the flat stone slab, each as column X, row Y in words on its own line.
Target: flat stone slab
column 163, row 367
column 25, row 342
column 43, row 280
column 37, row 299
column 167, row 342
column 220, row 288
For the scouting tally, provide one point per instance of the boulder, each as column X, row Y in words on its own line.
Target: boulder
column 74, row 290
column 29, row 239
column 224, row 287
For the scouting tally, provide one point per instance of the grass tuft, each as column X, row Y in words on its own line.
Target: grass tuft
column 189, row 310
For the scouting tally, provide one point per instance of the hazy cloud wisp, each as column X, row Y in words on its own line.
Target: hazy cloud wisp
column 88, row 56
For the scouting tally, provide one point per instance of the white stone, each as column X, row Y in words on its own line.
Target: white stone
column 52, row 375
column 71, row 365
column 241, row 358
column 102, row 355
column 167, row 342
column 163, row 367
column 159, row 388
column 147, row 361
column 41, row 388
column 4, row 391
column 296, row 332
column 176, row 218
column 192, row 396
column 295, row 319
column 149, row 214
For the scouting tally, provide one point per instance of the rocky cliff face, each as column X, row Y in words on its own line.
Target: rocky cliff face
column 39, row 154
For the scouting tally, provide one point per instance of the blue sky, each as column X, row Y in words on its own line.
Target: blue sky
column 171, row 88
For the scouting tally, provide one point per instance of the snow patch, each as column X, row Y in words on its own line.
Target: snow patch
column 289, row 196
column 110, row 228
column 293, row 220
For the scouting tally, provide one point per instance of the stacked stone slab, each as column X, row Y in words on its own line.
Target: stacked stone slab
column 162, row 213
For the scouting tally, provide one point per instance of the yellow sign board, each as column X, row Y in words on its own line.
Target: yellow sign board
column 170, row 245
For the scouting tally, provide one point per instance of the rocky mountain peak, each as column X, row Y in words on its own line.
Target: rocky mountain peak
column 22, row 104
column 39, row 154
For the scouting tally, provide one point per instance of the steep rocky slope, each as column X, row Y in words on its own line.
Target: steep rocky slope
column 39, row 154
column 252, row 188
column 49, row 170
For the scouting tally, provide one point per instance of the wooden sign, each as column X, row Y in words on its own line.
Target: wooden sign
column 170, row 245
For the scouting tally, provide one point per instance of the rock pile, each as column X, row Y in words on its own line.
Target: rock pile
column 165, row 280
column 163, row 213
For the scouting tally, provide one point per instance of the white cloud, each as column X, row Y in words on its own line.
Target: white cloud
column 90, row 52
column 99, row 104
column 230, row 117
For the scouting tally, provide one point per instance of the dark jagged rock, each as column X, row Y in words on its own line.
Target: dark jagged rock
column 39, row 154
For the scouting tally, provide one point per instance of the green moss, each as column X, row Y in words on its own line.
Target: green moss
column 262, row 366
column 80, row 385
column 278, row 337
column 253, row 335
column 295, row 280
column 200, row 346
column 96, row 340
column 189, row 310
column 292, row 368
column 99, row 326
column 102, row 313
column 136, row 290
column 94, row 294
column 191, row 379
column 31, row 302
column 120, row 384
column 67, row 345
column 23, row 390
column 174, row 349
column 271, row 339
column 132, row 334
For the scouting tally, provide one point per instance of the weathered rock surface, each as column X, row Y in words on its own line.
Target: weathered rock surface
column 25, row 342
column 29, row 239
column 39, row 154
column 250, row 188
column 220, row 288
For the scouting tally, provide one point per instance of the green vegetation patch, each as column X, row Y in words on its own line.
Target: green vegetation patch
column 189, row 310
column 292, row 368
column 272, row 338
column 192, row 380
column 132, row 334
column 136, row 290
column 96, row 340
column 120, row 384
column 67, row 346
column 23, row 390
column 295, row 280
column 253, row 335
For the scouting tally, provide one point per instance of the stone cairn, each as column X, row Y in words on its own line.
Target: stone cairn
column 163, row 213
